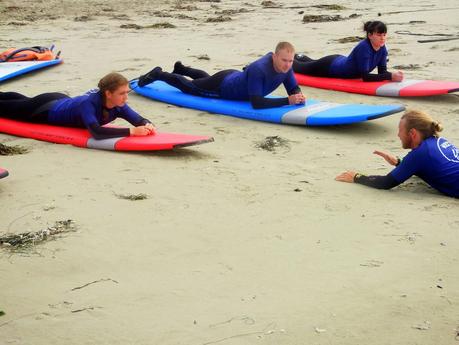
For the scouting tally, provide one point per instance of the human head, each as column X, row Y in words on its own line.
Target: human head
column 114, row 87
column 415, row 126
column 375, row 26
column 283, row 57
column 376, row 33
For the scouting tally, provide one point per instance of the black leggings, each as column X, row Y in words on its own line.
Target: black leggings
column 202, row 84
column 316, row 68
column 16, row 106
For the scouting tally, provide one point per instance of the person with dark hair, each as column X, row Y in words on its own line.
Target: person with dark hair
column 364, row 58
column 256, row 81
column 433, row 158
column 92, row 110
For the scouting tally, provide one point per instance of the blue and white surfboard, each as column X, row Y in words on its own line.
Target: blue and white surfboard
column 313, row 113
column 10, row 70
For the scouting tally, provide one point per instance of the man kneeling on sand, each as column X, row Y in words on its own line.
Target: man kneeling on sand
column 434, row 159
column 259, row 79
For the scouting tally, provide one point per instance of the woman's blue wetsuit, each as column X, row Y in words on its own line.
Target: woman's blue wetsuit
column 86, row 111
column 362, row 60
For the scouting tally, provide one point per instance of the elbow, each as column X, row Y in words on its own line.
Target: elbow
column 95, row 134
column 256, row 105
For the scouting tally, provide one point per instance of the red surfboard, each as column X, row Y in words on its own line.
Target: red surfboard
column 82, row 138
column 3, row 173
column 405, row 88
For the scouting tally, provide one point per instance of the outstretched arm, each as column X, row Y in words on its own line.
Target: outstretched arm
column 260, row 102
column 142, row 126
column 374, row 181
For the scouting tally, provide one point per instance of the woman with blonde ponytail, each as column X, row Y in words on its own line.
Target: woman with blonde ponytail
column 432, row 158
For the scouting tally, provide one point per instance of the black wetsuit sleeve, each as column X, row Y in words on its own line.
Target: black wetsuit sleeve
column 376, row 181
column 144, row 122
column 377, row 77
column 294, row 91
column 99, row 132
column 259, row 102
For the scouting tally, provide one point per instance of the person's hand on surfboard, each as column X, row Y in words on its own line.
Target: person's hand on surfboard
column 139, row 131
column 397, row 76
column 297, row 98
column 151, row 127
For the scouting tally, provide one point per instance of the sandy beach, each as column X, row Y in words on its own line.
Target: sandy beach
column 233, row 244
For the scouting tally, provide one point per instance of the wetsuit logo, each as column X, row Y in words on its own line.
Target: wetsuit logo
column 448, row 150
column 92, row 91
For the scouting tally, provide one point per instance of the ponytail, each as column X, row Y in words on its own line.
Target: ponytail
column 423, row 123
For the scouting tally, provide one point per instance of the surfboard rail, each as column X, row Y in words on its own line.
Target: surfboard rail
column 386, row 88
column 82, row 138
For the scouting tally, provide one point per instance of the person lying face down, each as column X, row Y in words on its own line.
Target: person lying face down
column 92, row 110
column 364, row 58
column 433, row 158
column 256, row 81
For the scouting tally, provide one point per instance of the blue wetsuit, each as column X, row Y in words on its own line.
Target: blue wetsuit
column 435, row 160
column 88, row 111
column 361, row 61
column 258, row 79
column 254, row 83
column 85, row 111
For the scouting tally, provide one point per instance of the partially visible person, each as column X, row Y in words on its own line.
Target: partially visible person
column 432, row 158
column 91, row 110
column 364, row 58
column 258, row 80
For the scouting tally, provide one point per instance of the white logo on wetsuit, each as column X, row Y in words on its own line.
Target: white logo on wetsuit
column 448, row 150
column 92, row 91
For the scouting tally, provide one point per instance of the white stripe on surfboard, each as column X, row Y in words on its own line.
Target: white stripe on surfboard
column 7, row 68
column 393, row 88
column 104, row 144
column 299, row 116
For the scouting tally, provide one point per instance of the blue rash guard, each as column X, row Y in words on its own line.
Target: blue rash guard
column 259, row 79
column 436, row 161
column 362, row 60
column 87, row 111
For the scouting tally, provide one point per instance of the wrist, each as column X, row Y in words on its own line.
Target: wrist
column 399, row 160
column 356, row 177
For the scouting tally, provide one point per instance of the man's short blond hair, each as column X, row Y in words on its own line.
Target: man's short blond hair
column 285, row 46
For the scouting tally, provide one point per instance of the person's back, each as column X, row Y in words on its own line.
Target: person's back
column 258, row 79
column 70, row 110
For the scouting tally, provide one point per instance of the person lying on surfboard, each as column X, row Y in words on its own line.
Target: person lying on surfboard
column 364, row 58
column 259, row 79
column 434, row 159
column 91, row 110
